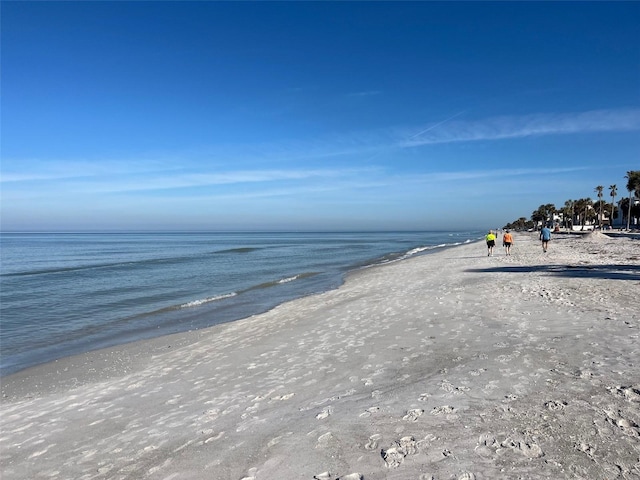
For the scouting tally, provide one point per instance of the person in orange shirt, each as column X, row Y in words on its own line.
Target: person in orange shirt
column 507, row 241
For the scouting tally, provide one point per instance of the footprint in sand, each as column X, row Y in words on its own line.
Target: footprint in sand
column 394, row 455
column 252, row 474
column 282, row 397
column 213, row 438
column 426, row 442
column 413, row 415
column 329, row 476
column 443, row 410
column 212, row 413
column 326, row 440
column 105, row 469
column 625, row 423
column 369, row 411
column 554, row 406
column 325, row 413
column 351, row 476
column 373, row 442
column 627, row 426
column 529, row 450
column 466, row 476
column 630, row 393
column 585, row 448
column 488, row 445
column 278, row 439
column 450, row 388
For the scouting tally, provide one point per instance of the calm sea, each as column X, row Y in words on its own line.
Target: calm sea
column 63, row 294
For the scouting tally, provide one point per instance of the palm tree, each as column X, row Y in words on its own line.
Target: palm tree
column 550, row 210
column 571, row 204
column 624, row 209
column 633, row 186
column 613, row 190
column 582, row 206
column 521, row 223
column 599, row 189
column 544, row 213
column 579, row 206
column 567, row 214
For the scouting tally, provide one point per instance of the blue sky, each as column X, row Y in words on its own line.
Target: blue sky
column 312, row 116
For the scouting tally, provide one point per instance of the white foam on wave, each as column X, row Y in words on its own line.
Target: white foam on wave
column 202, row 301
column 416, row 250
column 289, row 279
column 424, row 249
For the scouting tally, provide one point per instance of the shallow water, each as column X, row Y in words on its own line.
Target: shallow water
column 62, row 294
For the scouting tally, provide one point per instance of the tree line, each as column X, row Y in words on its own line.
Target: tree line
column 586, row 210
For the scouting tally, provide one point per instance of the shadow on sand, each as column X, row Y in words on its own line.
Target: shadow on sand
column 608, row 272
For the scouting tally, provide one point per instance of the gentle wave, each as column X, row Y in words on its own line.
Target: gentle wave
column 394, row 257
column 287, row 280
column 129, row 264
column 98, row 266
column 203, row 301
column 422, row 249
column 386, row 259
column 50, row 271
column 273, row 283
column 197, row 303
column 239, row 250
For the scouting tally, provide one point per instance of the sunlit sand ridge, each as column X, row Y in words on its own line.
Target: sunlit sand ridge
column 452, row 365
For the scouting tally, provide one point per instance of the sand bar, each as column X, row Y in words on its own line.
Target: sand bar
column 452, row 365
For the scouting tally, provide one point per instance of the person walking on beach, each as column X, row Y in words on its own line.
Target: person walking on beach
column 545, row 236
column 491, row 242
column 507, row 241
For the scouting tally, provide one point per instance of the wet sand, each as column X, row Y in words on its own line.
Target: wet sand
column 452, row 365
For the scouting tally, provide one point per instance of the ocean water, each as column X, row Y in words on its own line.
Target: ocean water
column 63, row 294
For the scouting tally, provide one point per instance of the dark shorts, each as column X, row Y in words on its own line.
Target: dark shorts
column 491, row 243
column 506, row 244
column 546, row 239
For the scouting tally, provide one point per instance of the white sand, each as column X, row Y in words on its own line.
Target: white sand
column 453, row 365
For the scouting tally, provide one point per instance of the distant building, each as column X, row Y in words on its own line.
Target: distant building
column 621, row 220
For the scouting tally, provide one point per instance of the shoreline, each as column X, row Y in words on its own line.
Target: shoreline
column 445, row 365
column 111, row 360
column 202, row 312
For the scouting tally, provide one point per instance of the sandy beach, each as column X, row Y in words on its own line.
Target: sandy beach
column 452, row 365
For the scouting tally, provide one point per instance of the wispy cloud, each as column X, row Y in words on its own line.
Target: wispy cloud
column 176, row 180
column 454, row 176
column 191, row 180
column 306, row 161
column 505, row 127
column 35, row 170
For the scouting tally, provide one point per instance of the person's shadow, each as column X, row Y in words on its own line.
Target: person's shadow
column 608, row 272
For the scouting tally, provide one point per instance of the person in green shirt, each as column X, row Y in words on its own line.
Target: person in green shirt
column 491, row 242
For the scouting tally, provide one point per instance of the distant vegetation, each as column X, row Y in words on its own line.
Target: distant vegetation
column 588, row 211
